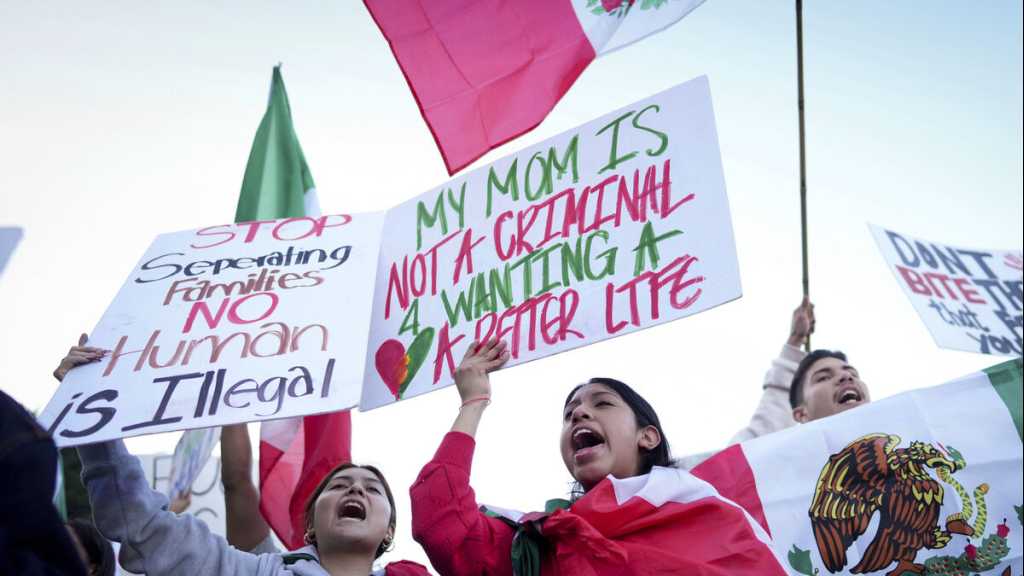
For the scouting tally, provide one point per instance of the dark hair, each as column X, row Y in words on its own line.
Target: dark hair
column 645, row 416
column 385, row 544
column 98, row 548
column 796, row 387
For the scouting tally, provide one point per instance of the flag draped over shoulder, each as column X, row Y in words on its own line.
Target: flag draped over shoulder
column 295, row 453
column 665, row 522
column 486, row 71
column 924, row 483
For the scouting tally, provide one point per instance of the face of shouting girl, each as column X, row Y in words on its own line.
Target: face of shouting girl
column 602, row 435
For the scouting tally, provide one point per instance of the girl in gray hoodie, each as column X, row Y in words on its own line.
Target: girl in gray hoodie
column 350, row 519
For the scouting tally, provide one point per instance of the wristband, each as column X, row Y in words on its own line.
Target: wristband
column 486, row 399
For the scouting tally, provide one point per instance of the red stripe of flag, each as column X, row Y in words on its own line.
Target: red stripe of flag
column 483, row 71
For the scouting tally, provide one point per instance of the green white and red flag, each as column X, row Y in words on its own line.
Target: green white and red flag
column 295, row 453
column 928, row 482
column 485, row 72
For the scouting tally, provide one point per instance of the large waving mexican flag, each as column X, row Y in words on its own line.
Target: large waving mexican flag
column 929, row 482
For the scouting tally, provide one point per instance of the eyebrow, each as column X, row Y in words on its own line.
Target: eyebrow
column 576, row 402
column 373, row 479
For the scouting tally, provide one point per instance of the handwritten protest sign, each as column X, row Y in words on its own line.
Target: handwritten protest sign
column 226, row 324
column 9, row 238
column 190, row 455
column 969, row 299
column 618, row 225
column 206, row 494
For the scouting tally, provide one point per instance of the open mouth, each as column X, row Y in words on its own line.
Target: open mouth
column 352, row 509
column 584, row 439
column 849, row 396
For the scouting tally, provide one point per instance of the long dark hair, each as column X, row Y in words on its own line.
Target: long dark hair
column 645, row 416
column 385, row 545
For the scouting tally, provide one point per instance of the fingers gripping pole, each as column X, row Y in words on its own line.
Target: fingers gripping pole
column 803, row 169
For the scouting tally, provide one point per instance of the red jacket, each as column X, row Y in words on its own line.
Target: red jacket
column 446, row 521
column 597, row 536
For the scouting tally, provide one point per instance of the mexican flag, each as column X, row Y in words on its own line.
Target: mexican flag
column 928, row 482
column 294, row 453
column 487, row 71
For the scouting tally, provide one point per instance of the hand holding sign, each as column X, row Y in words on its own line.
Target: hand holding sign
column 78, row 355
column 471, row 377
column 226, row 324
column 613, row 227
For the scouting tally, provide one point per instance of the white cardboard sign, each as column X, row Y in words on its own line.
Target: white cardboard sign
column 969, row 299
column 226, row 324
column 620, row 224
column 190, row 456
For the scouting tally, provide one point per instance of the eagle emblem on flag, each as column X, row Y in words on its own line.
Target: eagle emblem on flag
column 872, row 475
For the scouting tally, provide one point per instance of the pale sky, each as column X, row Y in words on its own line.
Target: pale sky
column 122, row 120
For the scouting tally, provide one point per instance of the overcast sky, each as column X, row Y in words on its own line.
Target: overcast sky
column 121, row 120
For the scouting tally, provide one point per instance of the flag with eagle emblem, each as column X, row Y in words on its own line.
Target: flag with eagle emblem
column 925, row 483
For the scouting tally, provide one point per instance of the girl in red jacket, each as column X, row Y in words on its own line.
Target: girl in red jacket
column 631, row 512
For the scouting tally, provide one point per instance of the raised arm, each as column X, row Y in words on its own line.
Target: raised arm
column 245, row 526
column 773, row 411
column 154, row 540
column 459, row 539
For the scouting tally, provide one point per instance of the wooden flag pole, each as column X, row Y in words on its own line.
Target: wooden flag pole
column 803, row 169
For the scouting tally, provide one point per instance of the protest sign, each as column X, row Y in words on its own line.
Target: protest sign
column 224, row 324
column 206, row 494
column 190, row 455
column 969, row 299
column 9, row 238
column 618, row 225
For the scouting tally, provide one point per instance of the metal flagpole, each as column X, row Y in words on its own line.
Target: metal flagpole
column 803, row 169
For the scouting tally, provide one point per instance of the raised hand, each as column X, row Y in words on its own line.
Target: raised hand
column 471, row 376
column 802, row 324
column 77, row 356
column 474, row 384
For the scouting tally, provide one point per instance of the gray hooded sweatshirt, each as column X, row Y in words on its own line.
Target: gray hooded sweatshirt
column 157, row 542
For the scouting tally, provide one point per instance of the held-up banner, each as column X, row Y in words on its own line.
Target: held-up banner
column 618, row 225
column 224, row 324
column 190, row 456
column 969, row 299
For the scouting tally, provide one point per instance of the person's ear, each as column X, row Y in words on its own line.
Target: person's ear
column 649, row 438
column 800, row 414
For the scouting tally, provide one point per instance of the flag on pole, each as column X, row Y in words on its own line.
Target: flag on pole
column 295, row 453
column 926, row 483
column 486, row 71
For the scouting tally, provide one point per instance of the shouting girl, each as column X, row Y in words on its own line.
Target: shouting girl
column 349, row 519
column 631, row 512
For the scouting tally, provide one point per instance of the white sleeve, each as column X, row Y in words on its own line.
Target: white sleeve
column 773, row 411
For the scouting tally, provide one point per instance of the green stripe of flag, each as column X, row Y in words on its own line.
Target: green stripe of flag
column 1006, row 379
column 276, row 177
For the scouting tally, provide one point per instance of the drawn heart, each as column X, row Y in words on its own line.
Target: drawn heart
column 396, row 366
